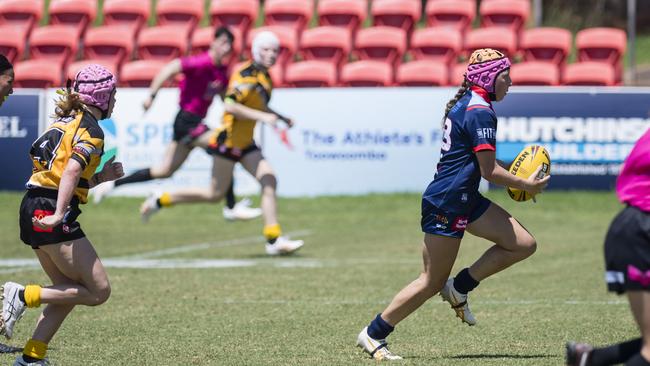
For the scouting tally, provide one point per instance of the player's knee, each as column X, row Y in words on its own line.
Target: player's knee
column 167, row 173
column 269, row 181
column 101, row 295
column 527, row 245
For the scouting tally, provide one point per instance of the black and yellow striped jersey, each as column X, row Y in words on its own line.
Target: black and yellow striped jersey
column 77, row 137
column 251, row 86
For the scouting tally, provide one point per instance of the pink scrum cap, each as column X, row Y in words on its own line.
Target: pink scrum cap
column 484, row 66
column 94, row 84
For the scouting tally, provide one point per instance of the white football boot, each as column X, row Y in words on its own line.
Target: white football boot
column 12, row 308
column 376, row 348
column 149, row 207
column 283, row 246
column 458, row 302
column 100, row 191
column 242, row 211
column 20, row 362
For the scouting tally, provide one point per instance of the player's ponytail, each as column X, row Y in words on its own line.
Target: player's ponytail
column 68, row 104
column 461, row 91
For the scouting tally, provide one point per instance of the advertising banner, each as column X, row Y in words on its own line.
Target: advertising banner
column 19, row 127
column 588, row 134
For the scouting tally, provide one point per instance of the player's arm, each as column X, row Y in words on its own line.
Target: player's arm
column 241, row 111
column 496, row 174
column 282, row 118
column 170, row 70
column 111, row 171
column 69, row 180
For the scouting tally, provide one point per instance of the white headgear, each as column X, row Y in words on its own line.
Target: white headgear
column 261, row 40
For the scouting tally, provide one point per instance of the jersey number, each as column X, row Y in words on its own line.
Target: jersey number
column 446, row 135
column 45, row 147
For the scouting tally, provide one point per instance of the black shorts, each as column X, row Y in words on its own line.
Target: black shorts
column 443, row 222
column 627, row 251
column 41, row 202
column 188, row 127
column 231, row 153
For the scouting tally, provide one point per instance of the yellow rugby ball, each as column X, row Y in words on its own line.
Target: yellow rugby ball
column 525, row 164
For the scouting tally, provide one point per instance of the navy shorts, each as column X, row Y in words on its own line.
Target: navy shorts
column 627, row 251
column 438, row 221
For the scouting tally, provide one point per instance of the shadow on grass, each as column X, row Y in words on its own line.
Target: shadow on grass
column 500, row 355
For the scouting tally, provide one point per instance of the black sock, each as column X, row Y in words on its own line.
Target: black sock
column 464, row 283
column 230, row 196
column 379, row 328
column 21, row 295
column 141, row 175
column 616, row 353
column 637, row 360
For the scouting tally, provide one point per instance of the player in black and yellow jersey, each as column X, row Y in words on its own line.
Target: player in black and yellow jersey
column 65, row 158
column 246, row 102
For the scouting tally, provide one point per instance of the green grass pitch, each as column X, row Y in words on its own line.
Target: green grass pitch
column 308, row 309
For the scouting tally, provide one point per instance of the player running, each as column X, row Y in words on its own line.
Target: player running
column 452, row 204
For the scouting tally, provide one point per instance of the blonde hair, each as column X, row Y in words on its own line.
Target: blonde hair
column 68, row 104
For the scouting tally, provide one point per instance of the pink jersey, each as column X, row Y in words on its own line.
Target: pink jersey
column 203, row 80
column 633, row 184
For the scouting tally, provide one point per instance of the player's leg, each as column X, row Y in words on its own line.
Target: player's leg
column 438, row 254
column 222, row 169
column 78, row 277
column 640, row 305
column 257, row 166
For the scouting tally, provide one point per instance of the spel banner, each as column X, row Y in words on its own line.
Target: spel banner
column 19, row 127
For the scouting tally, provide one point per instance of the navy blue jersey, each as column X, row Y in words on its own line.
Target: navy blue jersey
column 470, row 126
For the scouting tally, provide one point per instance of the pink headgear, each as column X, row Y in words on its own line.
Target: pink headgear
column 94, row 84
column 484, row 66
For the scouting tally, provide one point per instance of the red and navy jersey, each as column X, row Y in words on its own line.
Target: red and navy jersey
column 470, row 126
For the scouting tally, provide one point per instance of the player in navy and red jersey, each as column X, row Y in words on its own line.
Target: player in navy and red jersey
column 452, row 204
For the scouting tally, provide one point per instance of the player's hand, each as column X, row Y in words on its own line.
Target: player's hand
column 535, row 185
column 147, row 103
column 112, row 170
column 271, row 119
column 288, row 121
column 48, row 222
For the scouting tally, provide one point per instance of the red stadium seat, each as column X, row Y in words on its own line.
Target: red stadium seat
column 422, row 73
column 342, row 13
column 75, row 67
column 239, row 14
column 602, row 45
column 326, row 44
column 512, row 14
column 382, row 43
column 367, row 73
column 589, row 73
column 25, row 13
column 55, row 42
column 535, row 73
column 203, row 37
column 138, row 74
column 12, row 42
column 402, row 14
column 546, row 44
column 288, row 42
column 439, row 44
column 499, row 38
column 77, row 13
column 110, row 42
column 126, row 12
column 164, row 42
column 289, row 13
column 310, row 74
column 457, row 14
column 37, row 74
column 457, row 74
column 180, row 12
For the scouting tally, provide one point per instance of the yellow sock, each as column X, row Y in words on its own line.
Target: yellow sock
column 271, row 232
column 165, row 200
column 33, row 296
column 35, row 349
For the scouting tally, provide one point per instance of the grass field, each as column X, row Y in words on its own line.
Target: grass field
column 308, row 309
